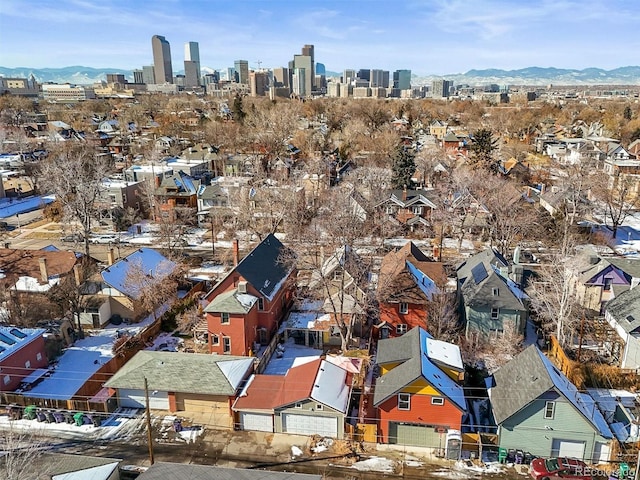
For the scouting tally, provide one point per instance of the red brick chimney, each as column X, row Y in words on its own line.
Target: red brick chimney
column 404, row 194
column 236, row 252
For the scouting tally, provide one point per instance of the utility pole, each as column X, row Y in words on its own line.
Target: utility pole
column 148, row 412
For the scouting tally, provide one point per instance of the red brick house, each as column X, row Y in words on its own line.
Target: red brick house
column 408, row 279
column 22, row 354
column 246, row 307
column 418, row 396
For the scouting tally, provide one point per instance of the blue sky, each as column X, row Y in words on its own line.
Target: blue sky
column 426, row 36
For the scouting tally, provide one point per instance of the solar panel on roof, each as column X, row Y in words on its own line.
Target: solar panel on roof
column 6, row 339
column 17, row 333
column 479, row 273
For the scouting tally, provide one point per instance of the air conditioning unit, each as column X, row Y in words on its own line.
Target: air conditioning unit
column 242, row 287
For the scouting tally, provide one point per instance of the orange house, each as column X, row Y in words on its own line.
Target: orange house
column 418, row 395
column 246, row 307
column 408, row 280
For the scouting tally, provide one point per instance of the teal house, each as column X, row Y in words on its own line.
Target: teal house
column 538, row 410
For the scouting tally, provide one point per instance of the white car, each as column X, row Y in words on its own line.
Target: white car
column 105, row 238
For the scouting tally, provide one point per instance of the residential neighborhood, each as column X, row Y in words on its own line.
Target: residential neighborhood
column 448, row 279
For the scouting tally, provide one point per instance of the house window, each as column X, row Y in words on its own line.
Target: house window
column 27, row 364
column 215, row 340
column 437, row 401
column 298, row 405
column 401, row 328
column 226, row 345
column 417, row 210
column 496, row 292
column 390, row 209
column 7, row 379
column 403, row 308
column 549, row 410
column 404, row 401
column 494, row 313
column 260, row 304
column 224, row 318
column 318, row 406
column 607, row 284
column 38, row 356
column 337, row 274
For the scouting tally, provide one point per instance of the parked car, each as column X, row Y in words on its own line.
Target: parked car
column 105, row 238
column 72, row 238
column 559, row 468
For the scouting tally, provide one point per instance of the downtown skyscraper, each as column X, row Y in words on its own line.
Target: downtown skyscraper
column 192, row 64
column 162, row 59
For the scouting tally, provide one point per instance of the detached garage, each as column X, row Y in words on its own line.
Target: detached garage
column 310, row 425
column 183, row 382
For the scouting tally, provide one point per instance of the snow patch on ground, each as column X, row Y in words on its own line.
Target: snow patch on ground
column 375, row 464
column 295, row 451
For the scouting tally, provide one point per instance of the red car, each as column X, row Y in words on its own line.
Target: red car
column 559, row 468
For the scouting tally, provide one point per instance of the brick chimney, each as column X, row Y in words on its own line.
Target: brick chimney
column 110, row 257
column 76, row 274
column 404, row 194
column 236, row 252
column 44, row 274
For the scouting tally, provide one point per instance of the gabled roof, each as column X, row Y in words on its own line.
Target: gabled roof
column 121, row 274
column 264, row 268
column 183, row 372
column 413, row 198
column 15, row 263
column 528, row 376
column 625, row 310
column 231, row 302
column 408, row 275
column 488, row 257
column 417, row 359
column 64, row 466
column 14, row 338
column 318, row 380
column 183, row 471
column 490, row 289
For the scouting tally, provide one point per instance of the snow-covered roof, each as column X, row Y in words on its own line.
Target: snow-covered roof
column 13, row 339
column 444, row 353
column 30, row 284
column 330, row 387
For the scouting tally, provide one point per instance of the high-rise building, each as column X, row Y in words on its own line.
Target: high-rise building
column 299, row 82
column 402, row 79
column 191, row 75
column 162, row 59
column 281, row 77
column 308, row 51
column 192, row 54
column 348, row 75
column 321, row 69
column 116, row 78
column 440, row 88
column 364, row 74
column 258, row 83
column 149, row 74
column 138, row 76
column 242, row 70
column 377, row 78
column 231, row 74
column 304, row 62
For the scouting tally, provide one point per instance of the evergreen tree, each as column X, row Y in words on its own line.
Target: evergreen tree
column 404, row 166
column 482, row 151
column 238, row 112
column 627, row 114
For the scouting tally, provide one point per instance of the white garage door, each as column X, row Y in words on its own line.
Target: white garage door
column 129, row 398
column 568, row 448
column 310, row 425
column 256, row 421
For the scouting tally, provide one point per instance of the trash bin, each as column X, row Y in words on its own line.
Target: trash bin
column 30, row 412
column 624, row 470
column 79, row 419
column 502, row 455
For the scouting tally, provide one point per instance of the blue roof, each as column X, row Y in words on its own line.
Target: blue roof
column 434, row 375
column 422, row 280
column 10, row 207
column 147, row 260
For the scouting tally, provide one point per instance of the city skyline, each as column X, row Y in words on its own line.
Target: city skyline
column 429, row 37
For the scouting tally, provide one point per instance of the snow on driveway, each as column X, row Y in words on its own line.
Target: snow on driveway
column 294, row 355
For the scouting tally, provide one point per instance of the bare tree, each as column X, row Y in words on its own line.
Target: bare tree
column 21, row 454
column 619, row 197
column 442, row 316
column 74, row 174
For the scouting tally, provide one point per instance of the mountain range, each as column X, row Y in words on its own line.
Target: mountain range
column 526, row 76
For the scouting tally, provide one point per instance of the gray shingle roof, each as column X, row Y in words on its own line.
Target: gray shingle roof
column 489, row 257
column 183, row 372
column 625, row 309
column 481, row 294
column 232, row 302
column 180, row 471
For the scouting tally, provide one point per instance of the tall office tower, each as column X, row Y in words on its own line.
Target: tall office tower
column 304, row 62
column 402, row 79
column 377, row 77
column 299, row 82
column 308, row 51
column 281, row 77
column 257, row 83
column 231, row 75
column 148, row 74
column 321, row 69
column 191, row 75
column 385, row 78
column 116, row 78
column 348, row 75
column 364, row 74
column 440, row 88
column 162, row 59
column 138, row 76
column 192, row 54
column 242, row 70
